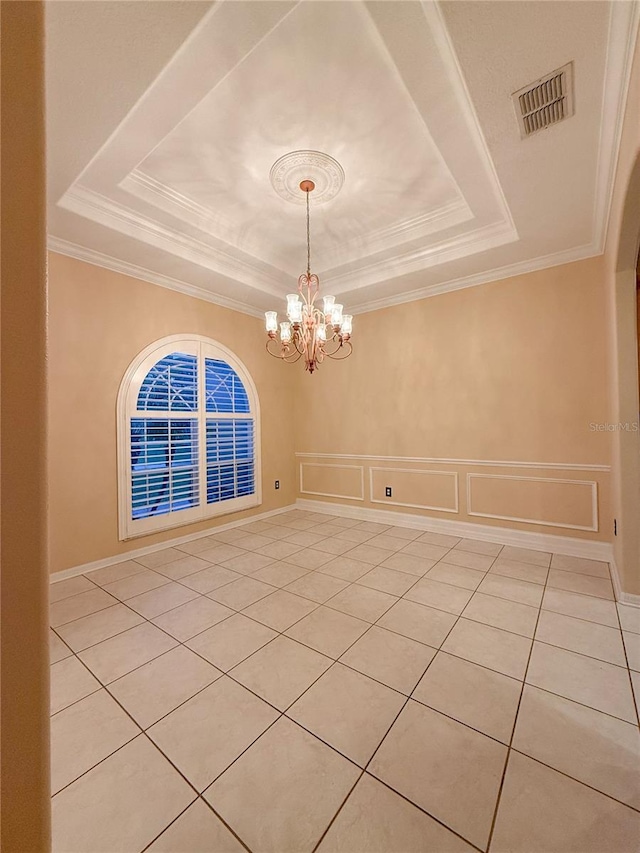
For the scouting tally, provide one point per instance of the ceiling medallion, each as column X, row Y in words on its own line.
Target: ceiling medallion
column 309, row 332
column 326, row 174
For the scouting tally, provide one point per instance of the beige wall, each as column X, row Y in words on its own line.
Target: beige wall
column 24, row 621
column 99, row 320
column 513, row 371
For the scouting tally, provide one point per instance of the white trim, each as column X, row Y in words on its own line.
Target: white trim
column 107, row 262
column 328, row 494
column 438, row 219
column 230, row 262
column 183, row 49
column 437, row 24
column 129, row 528
column 594, row 500
column 543, row 262
column 82, row 569
column 569, row 545
column 187, row 210
column 264, row 276
column 628, row 598
column 453, row 474
column 623, row 32
column 492, row 463
column 624, row 21
column 416, row 260
column 622, row 36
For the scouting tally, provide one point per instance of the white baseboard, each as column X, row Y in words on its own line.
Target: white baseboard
column 568, row 545
column 74, row 571
column 506, row 536
column 623, row 597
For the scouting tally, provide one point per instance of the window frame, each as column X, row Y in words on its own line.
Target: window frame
column 202, row 347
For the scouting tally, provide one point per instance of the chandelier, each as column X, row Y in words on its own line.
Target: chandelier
column 309, row 332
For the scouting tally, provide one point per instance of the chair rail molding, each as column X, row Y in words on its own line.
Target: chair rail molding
column 440, row 460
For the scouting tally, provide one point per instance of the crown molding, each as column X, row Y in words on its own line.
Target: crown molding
column 214, row 248
column 184, row 209
column 447, row 216
column 235, row 264
column 469, row 243
column 161, row 195
column 112, row 214
column 568, row 256
column 262, row 276
column 99, row 259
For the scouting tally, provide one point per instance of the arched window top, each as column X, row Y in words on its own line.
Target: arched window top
column 224, row 391
column 189, row 436
column 171, row 385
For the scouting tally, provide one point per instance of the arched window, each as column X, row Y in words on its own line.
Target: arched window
column 188, row 436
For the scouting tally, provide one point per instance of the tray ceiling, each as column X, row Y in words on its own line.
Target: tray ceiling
column 170, row 181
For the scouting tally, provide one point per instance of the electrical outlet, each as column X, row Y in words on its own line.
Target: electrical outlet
column 277, row 484
column 387, row 492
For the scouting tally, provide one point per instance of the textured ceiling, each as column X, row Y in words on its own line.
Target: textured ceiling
column 164, row 120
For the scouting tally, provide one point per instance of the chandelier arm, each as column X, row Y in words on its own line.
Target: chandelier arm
column 292, row 357
column 342, row 351
column 336, row 342
column 284, row 354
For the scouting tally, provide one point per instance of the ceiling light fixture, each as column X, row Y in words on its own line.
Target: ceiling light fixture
column 308, row 331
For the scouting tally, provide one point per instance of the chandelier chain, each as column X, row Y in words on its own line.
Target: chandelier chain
column 309, row 332
column 308, row 239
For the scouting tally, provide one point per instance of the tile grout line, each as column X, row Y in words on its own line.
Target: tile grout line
column 438, row 649
column 281, row 713
column 513, row 731
column 284, row 713
column 364, row 770
column 636, row 699
column 327, row 604
column 247, row 551
column 578, row 781
column 199, row 798
column 333, row 660
column 105, row 686
column 144, row 733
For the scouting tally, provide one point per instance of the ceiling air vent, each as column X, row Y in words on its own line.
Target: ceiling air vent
column 546, row 101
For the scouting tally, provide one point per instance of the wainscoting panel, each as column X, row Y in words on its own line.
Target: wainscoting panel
column 332, row 481
column 434, row 490
column 545, row 498
column 550, row 501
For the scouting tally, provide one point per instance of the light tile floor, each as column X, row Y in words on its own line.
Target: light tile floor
column 315, row 683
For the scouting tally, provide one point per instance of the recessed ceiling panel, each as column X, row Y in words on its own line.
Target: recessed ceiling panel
column 322, row 79
column 413, row 99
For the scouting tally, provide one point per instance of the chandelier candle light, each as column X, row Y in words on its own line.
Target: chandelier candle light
column 308, row 331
